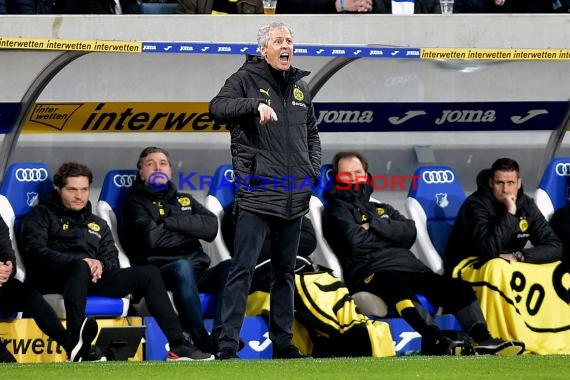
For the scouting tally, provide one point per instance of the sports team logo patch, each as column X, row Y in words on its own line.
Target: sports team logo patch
column 380, row 211
column 184, row 201
column 523, row 224
column 94, row 227
column 298, row 94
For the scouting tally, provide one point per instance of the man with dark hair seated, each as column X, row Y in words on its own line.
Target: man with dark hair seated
column 502, row 245
column 69, row 250
column 163, row 227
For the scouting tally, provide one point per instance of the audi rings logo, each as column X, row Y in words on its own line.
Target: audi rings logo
column 562, row 169
column 433, row 177
column 229, row 176
column 329, row 175
column 31, row 174
column 124, row 180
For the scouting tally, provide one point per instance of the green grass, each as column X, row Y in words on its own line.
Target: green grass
column 415, row 367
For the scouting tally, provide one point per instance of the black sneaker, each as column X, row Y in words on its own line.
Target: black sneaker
column 88, row 332
column 187, row 352
column 288, row 352
column 496, row 346
column 447, row 346
column 208, row 344
column 228, row 354
column 95, row 355
column 5, row 355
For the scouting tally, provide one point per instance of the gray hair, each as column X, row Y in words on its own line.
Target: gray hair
column 264, row 30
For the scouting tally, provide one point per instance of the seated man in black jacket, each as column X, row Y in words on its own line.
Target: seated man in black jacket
column 69, row 250
column 503, row 246
column 163, row 227
column 498, row 220
column 372, row 241
column 18, row 296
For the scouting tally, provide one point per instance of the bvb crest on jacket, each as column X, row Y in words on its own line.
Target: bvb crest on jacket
column 185, row 202
column 523, row 224
column 298, row 94
column 94, row 229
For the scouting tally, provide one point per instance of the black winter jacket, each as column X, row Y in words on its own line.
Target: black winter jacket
column 383, row 247
column 164, row 225
column 6, row 251
column 485, row 229
column 277, row 162
column 54, row 237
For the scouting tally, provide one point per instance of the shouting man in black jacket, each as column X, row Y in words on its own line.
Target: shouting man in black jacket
column 164, row 227
column 372, row 241
column 69, row 250
column 276, row 156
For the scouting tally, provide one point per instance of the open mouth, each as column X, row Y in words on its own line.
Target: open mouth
column 284, row 57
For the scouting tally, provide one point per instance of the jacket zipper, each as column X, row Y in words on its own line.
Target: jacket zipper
column 289, row 193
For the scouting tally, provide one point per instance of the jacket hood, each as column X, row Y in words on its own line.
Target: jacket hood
column 155, row 194
column 484, row 188
column 359, row 193
column 259, row 66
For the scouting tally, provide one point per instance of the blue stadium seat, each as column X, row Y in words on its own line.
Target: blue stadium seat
column 22, row 186
column 114, row 190
column 220, row 197
column 323, row 256
column 433, row 202
column 554, row 189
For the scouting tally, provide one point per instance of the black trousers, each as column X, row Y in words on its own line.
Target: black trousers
column 451, row 294
column 74, row 282
column 251, row 230
column 17, row 296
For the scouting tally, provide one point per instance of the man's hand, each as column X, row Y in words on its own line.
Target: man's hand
column 5, row 271
column 266, row 114
column 510, row 202
column 507, row 256
column 513, row 256
column 96, row 268
column 355, row 6
column 366, row 226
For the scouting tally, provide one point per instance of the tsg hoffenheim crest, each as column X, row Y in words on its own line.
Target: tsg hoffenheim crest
column 441, row 200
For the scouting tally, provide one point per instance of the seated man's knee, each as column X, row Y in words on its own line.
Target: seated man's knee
column 464, row 291
column 148, row 272
column 183, row 268
column 497, row 265
column 80, row 267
